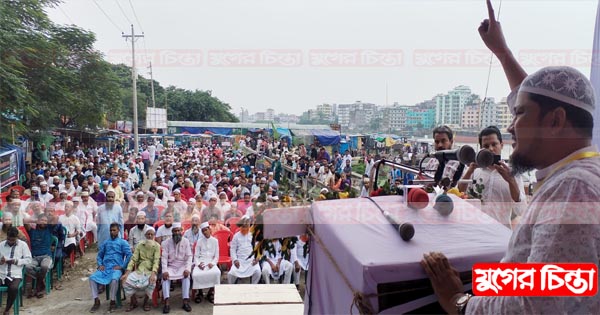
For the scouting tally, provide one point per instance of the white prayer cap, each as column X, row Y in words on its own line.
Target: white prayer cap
column 150, row 229
column 176, row 191
column 7, row 215
column 192, row 200
column 76, row 199
column 140, row 214
column 213, row 196
column 176, row 225
column 324, row 190
column 43, row 184
column 171, row 199
column 85, row 194
column 40, row 176
column 140, row 193
column 565, row 84
column 204, row 225
column 195, row 216
column 151, row 195
column 62, row 192
column 34, row 188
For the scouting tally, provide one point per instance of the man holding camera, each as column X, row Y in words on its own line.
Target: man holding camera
column 502, row 194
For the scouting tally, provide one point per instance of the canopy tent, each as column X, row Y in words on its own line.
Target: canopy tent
column 201, row 130
column 326, row 137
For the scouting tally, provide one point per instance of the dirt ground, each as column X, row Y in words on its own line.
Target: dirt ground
column 73, row 295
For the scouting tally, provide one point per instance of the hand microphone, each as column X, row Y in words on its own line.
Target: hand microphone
column 406, row 230
column 465, row 155
column 486, row 158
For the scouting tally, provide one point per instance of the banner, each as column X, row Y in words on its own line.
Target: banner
column 9, row 170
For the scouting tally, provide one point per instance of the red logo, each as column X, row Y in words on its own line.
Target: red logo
column 535, row 279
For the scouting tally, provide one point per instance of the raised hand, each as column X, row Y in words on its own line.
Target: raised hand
column 491, row 32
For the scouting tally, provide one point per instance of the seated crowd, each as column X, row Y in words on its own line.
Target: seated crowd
column 194, row 217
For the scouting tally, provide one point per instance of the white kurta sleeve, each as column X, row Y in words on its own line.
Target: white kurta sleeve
column 565, row 229
column 215, row 259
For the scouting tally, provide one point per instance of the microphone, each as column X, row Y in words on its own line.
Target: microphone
column 406, row 230
column 444, row 204
column 486, row 158
column 464, row 154
column 417, row 198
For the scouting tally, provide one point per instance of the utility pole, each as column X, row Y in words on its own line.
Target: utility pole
column 152, row 85
column 136, row 137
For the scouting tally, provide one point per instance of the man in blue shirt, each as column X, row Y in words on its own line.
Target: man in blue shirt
column 41, row 252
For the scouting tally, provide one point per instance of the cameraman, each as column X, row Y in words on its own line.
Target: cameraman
column 503, row 194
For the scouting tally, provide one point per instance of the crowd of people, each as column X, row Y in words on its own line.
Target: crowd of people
column 151, row 229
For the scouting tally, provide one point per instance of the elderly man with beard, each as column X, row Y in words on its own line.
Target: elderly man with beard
column 113, row 256
column 142, row 270
column 15, row 255
column 206, row 274
column 86, row 211
column 108, row 213
column 176, row 265
column 138, row 233
column 552, row 128
column 241, row 248
column 193, row 233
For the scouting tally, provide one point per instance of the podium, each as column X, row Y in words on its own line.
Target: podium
column 378, row 264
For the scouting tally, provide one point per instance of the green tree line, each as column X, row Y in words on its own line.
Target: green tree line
column 51, row 76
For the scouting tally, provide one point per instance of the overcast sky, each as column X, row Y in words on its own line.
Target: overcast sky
column 293, row 55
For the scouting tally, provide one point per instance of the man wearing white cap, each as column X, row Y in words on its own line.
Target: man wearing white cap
column 275, row 265
column 86, row 212
column 241, row 247
column 108, row 213
column 138, row 232
column 176, row 265
column 206, row 273
column 552, row 129
column 142, row 270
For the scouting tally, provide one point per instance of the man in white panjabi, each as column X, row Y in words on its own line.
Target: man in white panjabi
column 176, row 260
column 240, row 249
column 275, row 265
column 552, row 128
column 206, row 273
column 299, row 259
column 503, row 195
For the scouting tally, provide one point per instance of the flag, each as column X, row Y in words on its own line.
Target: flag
column 595, row 77
column 275, row 133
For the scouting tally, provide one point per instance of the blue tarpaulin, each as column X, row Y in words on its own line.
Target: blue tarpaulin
column 201, row 130
column 326, row 137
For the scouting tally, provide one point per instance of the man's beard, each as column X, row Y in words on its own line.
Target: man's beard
column 520, row 164
column 176, row 239
column 141, row 226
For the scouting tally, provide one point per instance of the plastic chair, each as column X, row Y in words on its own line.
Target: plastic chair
column 185, row 225
column 59, row 212
column 21, row 189
column 224, row 237
column 19, row 300
column 119, row 292
column 231, row 223
column 4, row 195
column 158, row 224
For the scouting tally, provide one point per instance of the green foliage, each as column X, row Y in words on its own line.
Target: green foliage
column 51, row 76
